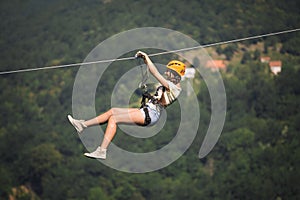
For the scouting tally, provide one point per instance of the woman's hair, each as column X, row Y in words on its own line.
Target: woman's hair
column 175, row 78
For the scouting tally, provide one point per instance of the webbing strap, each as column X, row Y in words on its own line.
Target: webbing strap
column 147, row 117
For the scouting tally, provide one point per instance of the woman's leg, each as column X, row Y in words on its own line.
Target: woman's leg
column 120, row 115
column 113, row 117
column 104, row 117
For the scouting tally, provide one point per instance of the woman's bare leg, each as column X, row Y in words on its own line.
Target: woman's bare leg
column 120, row 115
column 104, row 117
column 113, row 117
column 99, row 119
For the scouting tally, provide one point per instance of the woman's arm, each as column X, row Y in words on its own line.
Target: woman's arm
column 152, row 68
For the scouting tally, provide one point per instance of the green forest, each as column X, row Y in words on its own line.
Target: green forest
column 257, row 154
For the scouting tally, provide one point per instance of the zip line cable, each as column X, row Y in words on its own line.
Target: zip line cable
column 150, row 55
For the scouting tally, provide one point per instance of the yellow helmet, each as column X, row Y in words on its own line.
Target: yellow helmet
column 177, row 66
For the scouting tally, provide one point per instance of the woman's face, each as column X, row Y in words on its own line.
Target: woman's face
column 170, row 76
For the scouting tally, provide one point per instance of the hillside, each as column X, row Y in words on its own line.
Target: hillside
column 257, row 155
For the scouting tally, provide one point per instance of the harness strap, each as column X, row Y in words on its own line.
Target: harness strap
column 146, row 95
column 147, row 117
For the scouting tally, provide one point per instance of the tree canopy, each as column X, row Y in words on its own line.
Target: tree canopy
column 257, row 155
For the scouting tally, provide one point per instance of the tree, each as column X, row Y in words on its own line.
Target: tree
column 43, row 159
column 97, row 193
column 229, row 51
column 246, row 57
column 256, row 55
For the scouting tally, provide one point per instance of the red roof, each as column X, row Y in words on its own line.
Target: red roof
column 276, row 63
column 216, row 64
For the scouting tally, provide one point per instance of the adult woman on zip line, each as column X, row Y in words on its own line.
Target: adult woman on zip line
column 147, row 115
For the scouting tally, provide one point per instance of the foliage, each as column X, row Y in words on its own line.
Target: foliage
column 258, row 153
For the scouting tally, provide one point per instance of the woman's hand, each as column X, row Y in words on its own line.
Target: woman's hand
column 152, row 68
column 143, row 55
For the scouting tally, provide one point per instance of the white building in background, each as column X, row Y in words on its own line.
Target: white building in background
column 275, row 66
column 189, row 75
column 265, row 59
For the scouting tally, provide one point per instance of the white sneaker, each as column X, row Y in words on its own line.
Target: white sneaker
column 98, row 153
column 78, row 124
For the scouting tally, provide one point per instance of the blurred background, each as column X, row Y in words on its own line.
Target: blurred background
column 258, row 153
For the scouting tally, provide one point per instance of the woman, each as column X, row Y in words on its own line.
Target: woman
column 148, row 115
